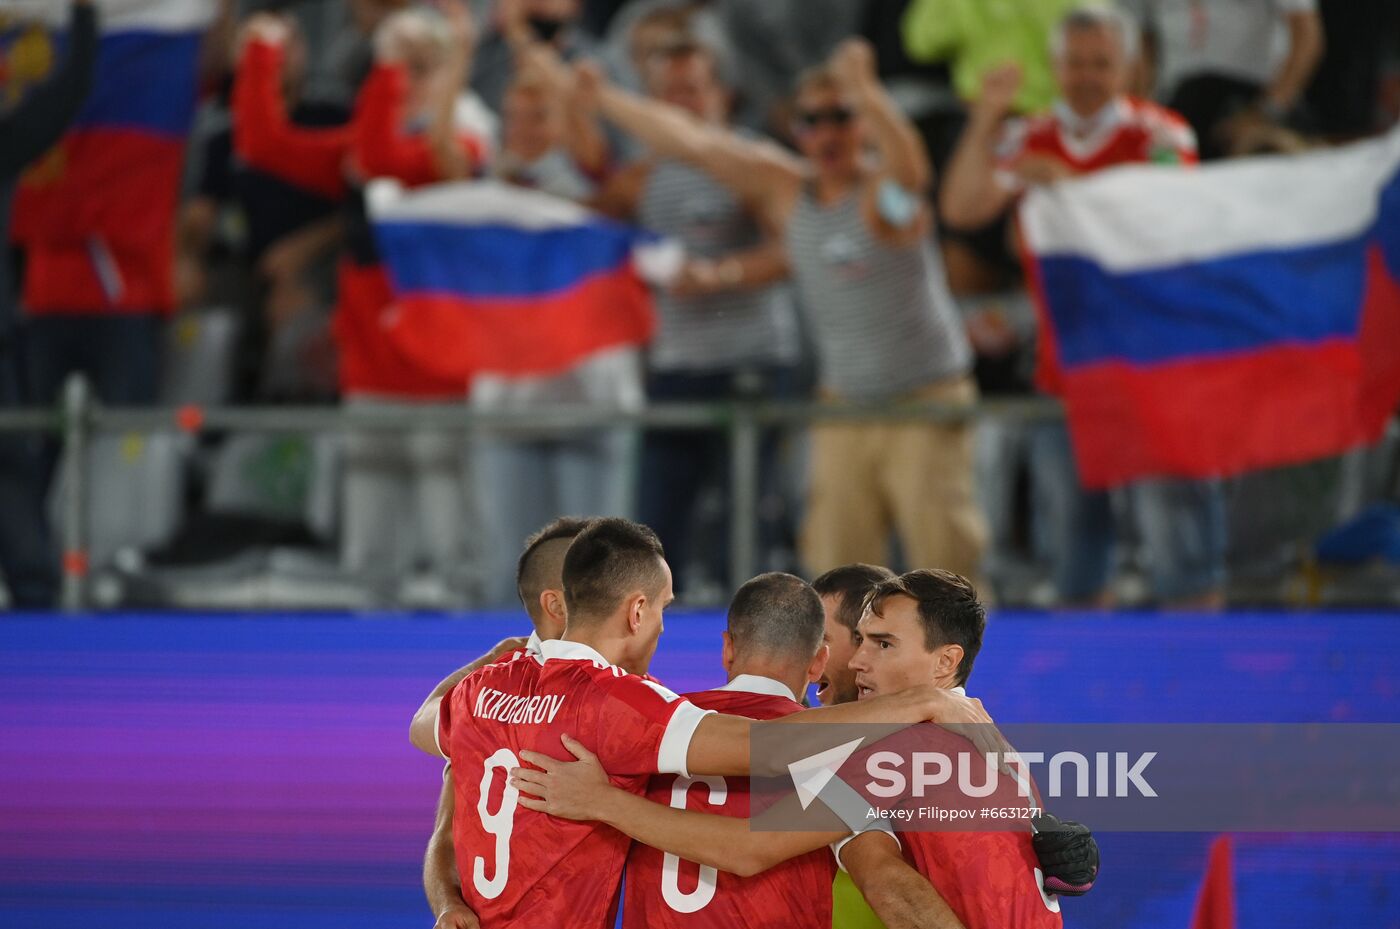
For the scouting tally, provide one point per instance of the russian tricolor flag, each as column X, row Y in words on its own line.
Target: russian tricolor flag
column 115, row 175
column 488, row 277
column 1210, row 322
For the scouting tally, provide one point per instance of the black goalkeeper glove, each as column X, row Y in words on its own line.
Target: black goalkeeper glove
column 1069, row 856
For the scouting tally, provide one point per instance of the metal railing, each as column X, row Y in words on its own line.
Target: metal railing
column 79, row 417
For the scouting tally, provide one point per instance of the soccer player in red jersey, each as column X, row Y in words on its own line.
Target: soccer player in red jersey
column 927, row 626
column 522, row 869
column 539, row 581
column 772, row 649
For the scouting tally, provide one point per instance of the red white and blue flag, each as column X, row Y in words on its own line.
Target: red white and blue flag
column 488, row 277
column 112, row 182
column 1210, row 322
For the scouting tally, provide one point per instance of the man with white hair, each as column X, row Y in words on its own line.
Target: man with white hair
column 1094, row 125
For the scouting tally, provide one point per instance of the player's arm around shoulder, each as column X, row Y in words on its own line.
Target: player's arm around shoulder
column 580, row 790
column 902, row 897
column 423, row 729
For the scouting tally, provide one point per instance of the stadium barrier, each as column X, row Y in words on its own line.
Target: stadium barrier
column 80, row 417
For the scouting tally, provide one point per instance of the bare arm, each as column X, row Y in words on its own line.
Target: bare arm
column 746, row 270
column 904, row 158
column 1305, row 48
column 422, row 731
column 581, row 791
column 902, row 897
column 761, row 173
column 970, row 196
column 720, row 744
column 442, row 882
column 289, row 256
column 452, row 162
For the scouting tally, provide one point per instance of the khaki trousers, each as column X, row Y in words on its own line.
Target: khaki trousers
column 915, row 478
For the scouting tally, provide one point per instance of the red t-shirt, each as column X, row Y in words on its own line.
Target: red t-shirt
column 1129, row 131
column 666, row 892
column 524, row 869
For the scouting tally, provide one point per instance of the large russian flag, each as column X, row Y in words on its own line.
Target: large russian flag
column 115, row 175
column 1210, row 322
column 488, row 277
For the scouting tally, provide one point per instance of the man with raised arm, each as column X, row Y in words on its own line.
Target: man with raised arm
column 856, row 232
column 521, row 868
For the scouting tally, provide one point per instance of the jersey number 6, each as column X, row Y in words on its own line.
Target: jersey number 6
column 704, row 890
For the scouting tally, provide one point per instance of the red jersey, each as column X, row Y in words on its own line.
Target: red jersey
column 1127, row 131
column 524, row 869
column 666, row 892
column 991, row 880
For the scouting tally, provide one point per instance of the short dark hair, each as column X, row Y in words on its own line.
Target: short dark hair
column 850, row 583
column 948, row 607
column 777, row 613
column 605, row 562
column 541, row 563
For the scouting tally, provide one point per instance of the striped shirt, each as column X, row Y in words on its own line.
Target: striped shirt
column 881, row 315
column 718, row 331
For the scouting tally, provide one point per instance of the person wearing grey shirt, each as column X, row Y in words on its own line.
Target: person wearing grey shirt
column 877, row 303
column 725, row 330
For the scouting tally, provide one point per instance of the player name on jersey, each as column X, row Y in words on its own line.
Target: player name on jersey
column 515, row 709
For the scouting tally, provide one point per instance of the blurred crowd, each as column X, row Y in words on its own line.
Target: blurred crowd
column 842, row 175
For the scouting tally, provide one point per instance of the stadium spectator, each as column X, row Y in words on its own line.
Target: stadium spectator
column 1095, row 125
column 98, row 280
column 1217, row 64
column 647, row 26
column 405, row 500
column 553, row 144
column 514, row 29
column 28, row 562
column 856, row 234
column 349, row 57
column 726, row 332
column 974, row 37
column 256, row 178
column 548, row 142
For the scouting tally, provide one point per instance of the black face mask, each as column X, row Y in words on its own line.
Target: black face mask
column 546, row 29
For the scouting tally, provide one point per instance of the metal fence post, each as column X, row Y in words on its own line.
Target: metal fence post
column 77, row 425
column 743, row 495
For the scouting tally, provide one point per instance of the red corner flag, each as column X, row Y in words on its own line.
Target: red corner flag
column 1215, row 907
